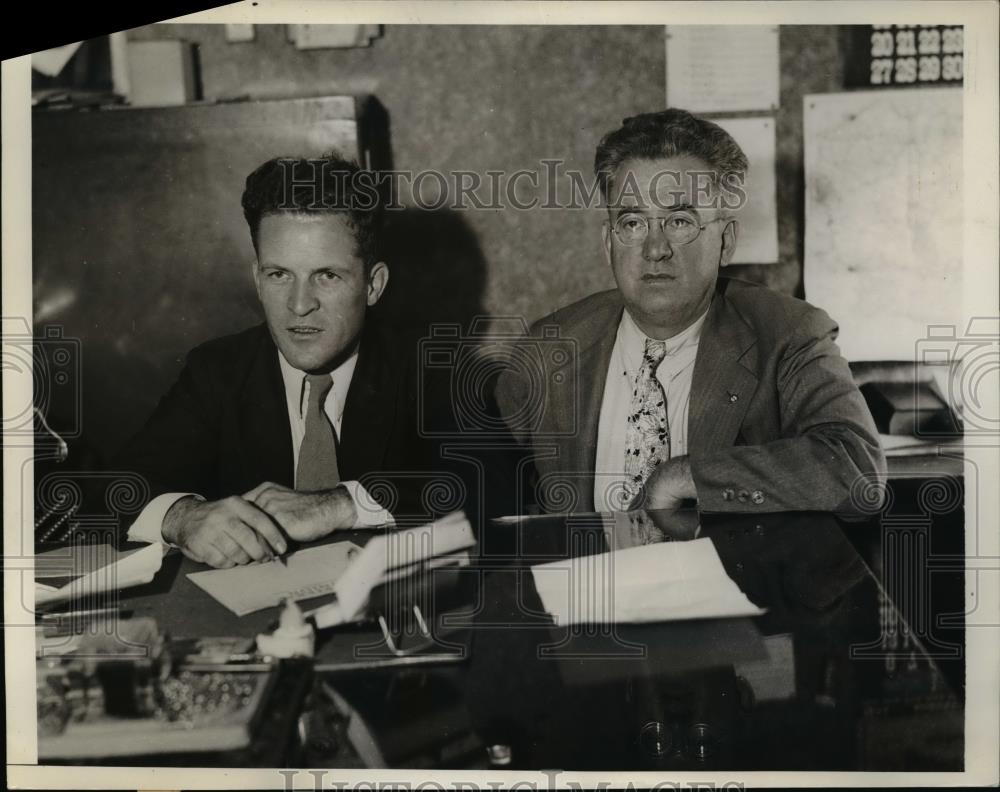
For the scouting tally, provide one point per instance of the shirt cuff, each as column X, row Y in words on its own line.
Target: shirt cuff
column 370, row 512
column 148, row 526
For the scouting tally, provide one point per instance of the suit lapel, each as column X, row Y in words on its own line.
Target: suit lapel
column 724, row 378
column 579, row 409
column 369, row 409
column 263, row 419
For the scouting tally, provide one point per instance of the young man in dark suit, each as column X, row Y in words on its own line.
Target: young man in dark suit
column 686, row 385
column 273, row 433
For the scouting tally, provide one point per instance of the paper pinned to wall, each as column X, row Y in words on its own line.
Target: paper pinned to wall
column 883, row 252
column 307, row 37
column 758, row 237
column 722, row 68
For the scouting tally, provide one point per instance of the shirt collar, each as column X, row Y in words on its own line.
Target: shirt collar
column 295, row 383
column 633, row 340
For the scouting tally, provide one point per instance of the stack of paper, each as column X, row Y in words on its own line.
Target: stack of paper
column 657, row 582
column 340, row 568
column 393, row 555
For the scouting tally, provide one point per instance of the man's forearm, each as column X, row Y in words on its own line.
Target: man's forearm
column 820, row 471
column 340, row 508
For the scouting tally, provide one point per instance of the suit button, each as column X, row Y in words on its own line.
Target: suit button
column 743, row 496
column 728, row 494
column 757, row 497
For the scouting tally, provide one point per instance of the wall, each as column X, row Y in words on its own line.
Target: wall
column 458, row 98
column 479, row 98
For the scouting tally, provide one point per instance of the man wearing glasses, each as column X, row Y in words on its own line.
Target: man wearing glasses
column 688, row 386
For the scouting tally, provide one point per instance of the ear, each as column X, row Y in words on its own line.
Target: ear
column 606, row 236
column 377, row 281
column 729, row 236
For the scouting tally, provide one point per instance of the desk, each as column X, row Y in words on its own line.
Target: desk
column 844, row 686
column 829, row 678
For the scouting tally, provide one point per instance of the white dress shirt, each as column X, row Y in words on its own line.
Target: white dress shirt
column 148, row 525
column 674, row 374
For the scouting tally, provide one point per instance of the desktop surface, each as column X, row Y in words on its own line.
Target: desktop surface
column 829, row 677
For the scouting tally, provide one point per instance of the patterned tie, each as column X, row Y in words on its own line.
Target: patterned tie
column 647, row 436
column 317, row 468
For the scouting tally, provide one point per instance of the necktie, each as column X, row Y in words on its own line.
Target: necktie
column 317, row 468
column 647, row 436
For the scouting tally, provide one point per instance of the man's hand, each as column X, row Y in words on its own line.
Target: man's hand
column 222, row 533
column 305, row 515
column 668, row 486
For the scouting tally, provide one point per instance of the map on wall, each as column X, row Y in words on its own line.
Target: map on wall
column 883, row 253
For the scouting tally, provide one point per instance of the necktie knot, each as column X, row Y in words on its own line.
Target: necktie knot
column 319, row 387
column 655, row 352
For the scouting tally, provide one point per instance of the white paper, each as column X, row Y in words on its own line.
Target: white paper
column 883, row 252
column 394, row 554
column 340, row 568
column 133, row 568
column 309, row 573
column 721, row 68
column 758, row 236
column 670, row 581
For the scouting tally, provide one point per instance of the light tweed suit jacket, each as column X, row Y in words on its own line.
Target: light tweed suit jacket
column 775, row 423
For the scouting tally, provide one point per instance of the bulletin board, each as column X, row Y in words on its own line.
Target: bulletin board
column 883, row 252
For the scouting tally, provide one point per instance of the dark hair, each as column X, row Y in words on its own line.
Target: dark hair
column 668, row 133
column 326, row 184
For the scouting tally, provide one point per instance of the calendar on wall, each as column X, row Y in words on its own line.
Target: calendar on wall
column 902, row 55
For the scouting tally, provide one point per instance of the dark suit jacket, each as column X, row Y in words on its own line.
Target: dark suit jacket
column 223, row 427
column 775, row 422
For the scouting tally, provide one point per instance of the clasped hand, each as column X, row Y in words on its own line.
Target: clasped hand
column 238, row 530
column 668, row 486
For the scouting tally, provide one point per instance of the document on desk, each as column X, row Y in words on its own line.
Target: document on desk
column 92, row 569
column 311, row 572
column 340, row 568
column 669, row 581
column 395, row 555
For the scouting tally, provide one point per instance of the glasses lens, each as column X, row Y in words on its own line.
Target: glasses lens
column 681, row 227
column 631, row 229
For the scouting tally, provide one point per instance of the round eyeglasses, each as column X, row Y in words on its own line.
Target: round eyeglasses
column 680, row 228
